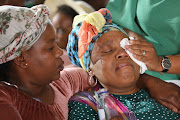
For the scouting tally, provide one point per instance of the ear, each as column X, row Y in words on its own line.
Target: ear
column 21, row 62
column 90, row 66
column 90, row 71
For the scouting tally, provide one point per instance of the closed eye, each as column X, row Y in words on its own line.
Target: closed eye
column 51, row 48
column 108, row 51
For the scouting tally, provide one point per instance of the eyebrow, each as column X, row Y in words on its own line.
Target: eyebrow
column 106, row 43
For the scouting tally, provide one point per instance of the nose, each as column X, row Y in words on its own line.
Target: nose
column 121, row 54
column 59, row 52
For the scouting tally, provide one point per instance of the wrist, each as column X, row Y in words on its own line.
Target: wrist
column 166, row 64
column 160, row 68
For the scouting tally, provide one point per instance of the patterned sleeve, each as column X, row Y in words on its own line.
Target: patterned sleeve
column 81, row 111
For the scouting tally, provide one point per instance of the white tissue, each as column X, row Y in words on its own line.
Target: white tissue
column 142, row 65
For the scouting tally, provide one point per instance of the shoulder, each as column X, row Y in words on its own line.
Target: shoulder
column 73, row 72
column 72, row 80
column 72, row 77
column 78, row 110
column 7, row 91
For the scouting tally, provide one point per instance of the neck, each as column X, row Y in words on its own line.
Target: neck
column 28, row 84
column 44, row 94
column 32, row 90
column 122, row 90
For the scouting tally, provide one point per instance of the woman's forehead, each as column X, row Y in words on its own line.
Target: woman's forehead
column 111, row 37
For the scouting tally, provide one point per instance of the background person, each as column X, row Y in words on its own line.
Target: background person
column 62, row 22
column 96, row 5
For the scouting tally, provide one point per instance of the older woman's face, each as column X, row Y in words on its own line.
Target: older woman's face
column 43, row 59
column 111, row 64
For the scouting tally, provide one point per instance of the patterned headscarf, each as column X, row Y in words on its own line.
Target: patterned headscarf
column 20, row 28
column 87, row 29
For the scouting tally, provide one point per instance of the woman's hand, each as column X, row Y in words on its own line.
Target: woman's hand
column 167, row 94
column 145, row 52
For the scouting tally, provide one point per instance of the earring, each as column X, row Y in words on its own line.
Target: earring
column 26, row 64
column 91, row 74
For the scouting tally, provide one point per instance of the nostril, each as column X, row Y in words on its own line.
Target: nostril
column 119, row 57
column 127, row 55
column 122, row 56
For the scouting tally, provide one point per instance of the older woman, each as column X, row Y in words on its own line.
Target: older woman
column 96, row 45
column 29, row 63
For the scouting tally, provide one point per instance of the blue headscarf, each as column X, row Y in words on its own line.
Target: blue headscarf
column 72, row 46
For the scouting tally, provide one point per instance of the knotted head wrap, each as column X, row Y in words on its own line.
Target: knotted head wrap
column 87, row 29
column 20, row 28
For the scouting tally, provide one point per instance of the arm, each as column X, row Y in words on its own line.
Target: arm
column 167, row 94
column 73, row 80
column 151, row 59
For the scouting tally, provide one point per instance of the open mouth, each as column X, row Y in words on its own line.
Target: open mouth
column 61, row 67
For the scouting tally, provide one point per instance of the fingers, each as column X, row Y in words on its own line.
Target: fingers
column 175, row 102
column 169, row 106
column 136, row 42
column 142, row 50
column 139, row 54
column 140, row 57
column 174, row 97
column 138, row 46
column 172, row 100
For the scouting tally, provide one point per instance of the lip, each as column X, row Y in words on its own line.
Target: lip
column 123, row 65
column 61, row 67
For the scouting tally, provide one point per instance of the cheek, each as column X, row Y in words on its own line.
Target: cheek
column 97, row 69
column 48, row 59
column 43, row 60
column 137, row 72
column 101, row 70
